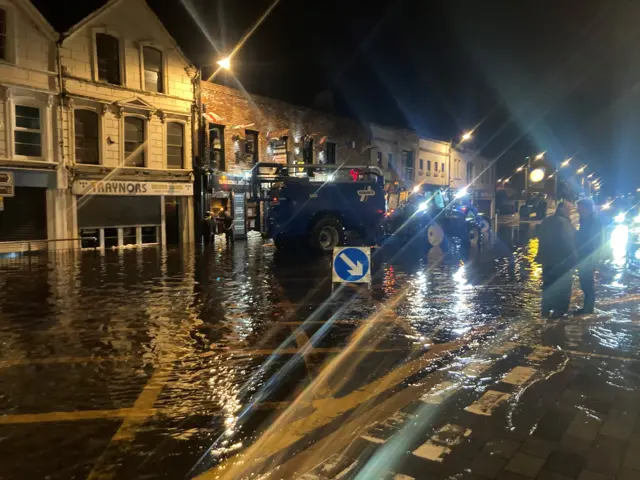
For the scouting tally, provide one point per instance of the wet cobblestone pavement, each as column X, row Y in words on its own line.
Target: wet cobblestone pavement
column 237, row 363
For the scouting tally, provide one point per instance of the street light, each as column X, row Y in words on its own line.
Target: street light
column 581, row 170
column 467, row 136
column 590, row 175
column 225, row 63
column 565, row 163
column 540, row 155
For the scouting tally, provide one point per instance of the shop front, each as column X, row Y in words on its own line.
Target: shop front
column 229, row 193
column 23, row 208
column 133, row 213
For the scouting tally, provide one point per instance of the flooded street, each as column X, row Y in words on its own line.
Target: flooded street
column 235, row 361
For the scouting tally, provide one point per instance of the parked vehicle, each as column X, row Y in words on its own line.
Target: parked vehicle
column 535, row 208
column 319, row 206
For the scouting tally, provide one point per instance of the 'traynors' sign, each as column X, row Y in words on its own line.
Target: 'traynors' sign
column 105, row 187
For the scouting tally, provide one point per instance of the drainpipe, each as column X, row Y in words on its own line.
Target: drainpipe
column 198, row 159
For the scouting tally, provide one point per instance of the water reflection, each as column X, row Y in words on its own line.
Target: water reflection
column 239, row 327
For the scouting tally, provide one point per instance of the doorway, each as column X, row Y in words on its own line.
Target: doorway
column 172, row 220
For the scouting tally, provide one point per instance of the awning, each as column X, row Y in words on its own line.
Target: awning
column 212, row 117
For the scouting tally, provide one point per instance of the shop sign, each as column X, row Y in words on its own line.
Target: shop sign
column 106, row 187
column 6, row 184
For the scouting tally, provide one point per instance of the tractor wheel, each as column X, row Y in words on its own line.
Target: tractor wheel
column 435, row 235
column 326, row 234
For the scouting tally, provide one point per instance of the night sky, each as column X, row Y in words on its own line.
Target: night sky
column 556, row 75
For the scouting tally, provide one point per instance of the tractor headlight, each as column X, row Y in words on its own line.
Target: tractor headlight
column 423, row 206
column 637, row 254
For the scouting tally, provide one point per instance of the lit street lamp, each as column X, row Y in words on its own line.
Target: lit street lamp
column 565, row 163
column 467, row 136
column 225, row 63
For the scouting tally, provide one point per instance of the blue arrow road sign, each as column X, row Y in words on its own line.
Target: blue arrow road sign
column 351, row 264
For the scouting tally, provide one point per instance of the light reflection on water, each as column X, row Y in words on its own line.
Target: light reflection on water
column 205, row 313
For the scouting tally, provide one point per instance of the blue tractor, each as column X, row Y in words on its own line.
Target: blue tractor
column 319, row 206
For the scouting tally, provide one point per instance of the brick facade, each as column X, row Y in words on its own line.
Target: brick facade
column 238, row 111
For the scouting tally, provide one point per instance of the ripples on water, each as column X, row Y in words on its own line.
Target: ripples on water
column 206, row 313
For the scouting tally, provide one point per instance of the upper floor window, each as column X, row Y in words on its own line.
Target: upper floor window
column 175, row 145
column 421, row 164
column 379, row 159
column 407, row 164
column 3, row 34
column 435, row 166
column 152, row 69
column 442, row 167
column 108, row 52
column 134, row 142
column 216, row 146
column 428, row 165
column 86, row 133
column 251, row 146
column 28, row 131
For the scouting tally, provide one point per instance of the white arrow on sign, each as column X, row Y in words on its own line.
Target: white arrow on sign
column 355, row 269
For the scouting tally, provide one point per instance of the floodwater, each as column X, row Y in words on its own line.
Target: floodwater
column 163, row 364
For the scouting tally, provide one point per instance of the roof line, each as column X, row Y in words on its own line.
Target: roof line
column 35, row 14
column 89, row 18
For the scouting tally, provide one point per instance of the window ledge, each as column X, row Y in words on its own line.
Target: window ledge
column 26, row 162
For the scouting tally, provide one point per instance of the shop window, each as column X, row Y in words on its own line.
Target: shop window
column 469, row 172
column 86, row 133
column 149, row 234
column 379, row 159
column 3, row 34
column 28, row 131
column 110, row 237
column 134, row 142
column 216, row 147
column 152, row 69
column 108, row 53
column 331, row 153
column 442, row 167
column 175, row 145
column 90, row 237
column 129, row 236
column 251, row 146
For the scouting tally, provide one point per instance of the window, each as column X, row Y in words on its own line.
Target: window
column 421, row 164
column 428, row 165
column 28, row 133
column 108, row 52
column 469, row 172
column 134, row 142
column 331, row 153
column 152, row 69
column 175, row 145
column 307, row 151
column 407, row 165
column 3, row 34
column 442, row 165
column 390, row 161
column 86, row 127
column 435, row 166
column 216, row 147
column 251, row 146
column 379, row 159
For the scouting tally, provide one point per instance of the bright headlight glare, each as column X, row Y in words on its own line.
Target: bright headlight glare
column 619, row 238
column 637, row 254
column 636, row 219
column 619, row 218
column 423, row 206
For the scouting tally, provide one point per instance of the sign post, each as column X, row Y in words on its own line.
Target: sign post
column 351, row 265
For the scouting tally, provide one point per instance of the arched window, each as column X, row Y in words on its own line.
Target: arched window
column 175, row 145
column 108, row 52
column 86, row 133
column 134, row 142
